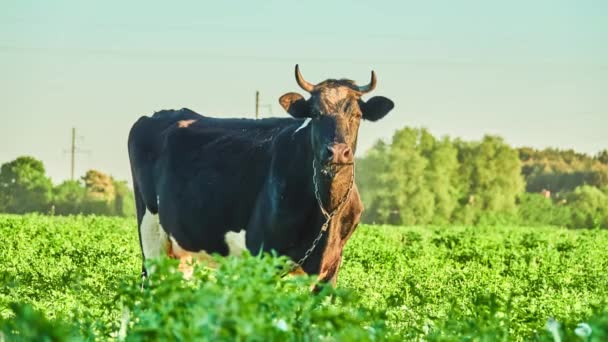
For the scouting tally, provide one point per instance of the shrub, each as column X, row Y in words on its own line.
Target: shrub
column 589, row 207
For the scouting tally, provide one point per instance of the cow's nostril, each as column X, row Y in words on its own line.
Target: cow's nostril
column 347, row 154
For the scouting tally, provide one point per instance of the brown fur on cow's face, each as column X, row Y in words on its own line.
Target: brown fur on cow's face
column 336, row 108
column 336, row 101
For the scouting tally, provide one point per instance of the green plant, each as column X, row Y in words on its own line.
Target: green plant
column 76, row 277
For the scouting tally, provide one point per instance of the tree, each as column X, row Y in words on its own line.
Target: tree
column 410, row 181
column 498, row 173
column 99, row 193
column 99, row 186
column 538, row 210
column 24, row 186
column 392, row 181
column 441, row 175
column 602, row 157
column 489, row 179
column 589, row 207
column 406, row 180
column 562, row 170
column 369, row 171
column 418, row 179
column 124, row 202
column 68, row 198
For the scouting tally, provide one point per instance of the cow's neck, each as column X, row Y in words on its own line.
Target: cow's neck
column 331, row 187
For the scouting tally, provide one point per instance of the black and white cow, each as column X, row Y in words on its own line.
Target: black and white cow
column 208, row 185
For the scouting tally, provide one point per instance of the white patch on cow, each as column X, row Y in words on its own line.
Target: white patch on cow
column 304, row 124
column 235, row 242
column 154, row 240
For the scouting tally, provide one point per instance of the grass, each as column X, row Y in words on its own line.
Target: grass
column 77, row 277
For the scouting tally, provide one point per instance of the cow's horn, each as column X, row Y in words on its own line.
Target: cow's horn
column 371, row 86
column 302, row 82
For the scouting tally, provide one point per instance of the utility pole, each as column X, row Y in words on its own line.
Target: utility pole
column 73, row 152
column 257, row 104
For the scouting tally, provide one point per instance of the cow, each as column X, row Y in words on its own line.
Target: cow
column 208, row 185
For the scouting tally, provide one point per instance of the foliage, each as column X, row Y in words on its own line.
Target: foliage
column 490, row 179
column 29, row 324
column 68, row 197
column 482, row 283
column 418, row 179
column 244, row 299
column 24, row 186
column 538, row 210
column 74, row 277
column 68, row 266
column 602, row 157
column 99, row 194
column 124, row 201
column 585, row 207
column 589, row 207
column 104, row 195
column 410, row 181
column 562, row 170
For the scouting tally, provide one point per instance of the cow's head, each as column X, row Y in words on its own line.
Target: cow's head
column 335, row 109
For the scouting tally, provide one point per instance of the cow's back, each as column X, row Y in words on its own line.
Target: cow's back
column 145, row 146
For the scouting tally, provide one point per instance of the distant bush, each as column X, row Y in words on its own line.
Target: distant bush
column 585, row 207
column 589, row 207
column 537, row 210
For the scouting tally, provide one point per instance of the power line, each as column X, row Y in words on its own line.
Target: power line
column 73, row 151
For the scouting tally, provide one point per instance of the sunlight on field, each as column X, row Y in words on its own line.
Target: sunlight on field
column 410, row 282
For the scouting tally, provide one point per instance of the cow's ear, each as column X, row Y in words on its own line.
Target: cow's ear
column 295, row 105
column 376, row 108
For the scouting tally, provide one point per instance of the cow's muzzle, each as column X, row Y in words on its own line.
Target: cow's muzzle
column 340, row 154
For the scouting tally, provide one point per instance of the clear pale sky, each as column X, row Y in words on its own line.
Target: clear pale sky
column 534, row 72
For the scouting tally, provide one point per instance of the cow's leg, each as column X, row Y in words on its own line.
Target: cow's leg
column 235, row 242
column 187, row 259
column 154, row 239
column 140, row 210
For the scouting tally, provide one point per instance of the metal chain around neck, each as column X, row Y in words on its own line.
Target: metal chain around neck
column 328, row 215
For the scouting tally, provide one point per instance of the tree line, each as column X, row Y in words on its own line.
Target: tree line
column 417, row 179
column 414, row 179
column 25, row 187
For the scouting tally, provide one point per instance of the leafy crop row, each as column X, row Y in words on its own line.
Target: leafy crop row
column 77, row 278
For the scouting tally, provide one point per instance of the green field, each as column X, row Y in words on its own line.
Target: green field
column 80, row 274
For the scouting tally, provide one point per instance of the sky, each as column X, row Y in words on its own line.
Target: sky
column 533, row 72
